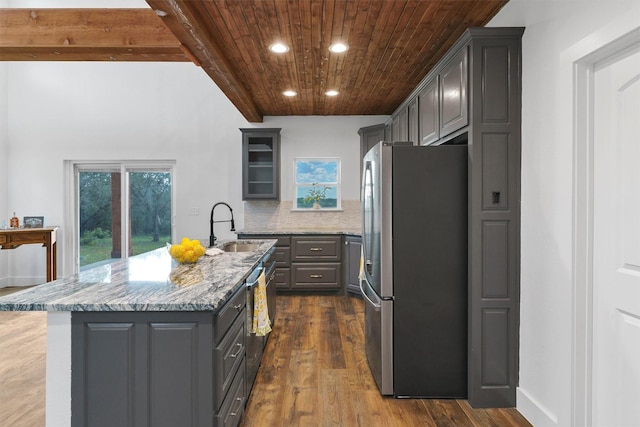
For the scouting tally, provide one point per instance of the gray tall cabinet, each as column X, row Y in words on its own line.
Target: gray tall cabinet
column 473, row 96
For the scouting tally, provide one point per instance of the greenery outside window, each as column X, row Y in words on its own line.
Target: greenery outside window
column 118, row 209
column 317, row 183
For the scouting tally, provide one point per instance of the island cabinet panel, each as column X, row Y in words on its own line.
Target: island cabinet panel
column 110, row 350
column 159, row 368
column 228, row 357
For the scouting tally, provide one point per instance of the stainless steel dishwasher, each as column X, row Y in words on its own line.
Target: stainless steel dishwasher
column 255, row 344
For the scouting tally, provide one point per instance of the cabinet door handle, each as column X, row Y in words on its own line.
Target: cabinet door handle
column 238, row 352
column 316, row 249
column 316, row 276
column 238, row 399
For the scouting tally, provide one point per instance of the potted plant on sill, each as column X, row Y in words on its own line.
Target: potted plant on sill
column 316, row 194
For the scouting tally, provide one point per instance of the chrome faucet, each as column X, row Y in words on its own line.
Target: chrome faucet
column 212, row 237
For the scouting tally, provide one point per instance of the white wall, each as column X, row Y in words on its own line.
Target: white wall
column 61, row 111
column 4, row 154
column 322, row 136
column 553, row 30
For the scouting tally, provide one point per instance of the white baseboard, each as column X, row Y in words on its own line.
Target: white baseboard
column 533, row 410
column 21, row 281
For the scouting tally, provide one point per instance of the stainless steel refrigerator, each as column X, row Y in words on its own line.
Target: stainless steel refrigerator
column 414, row 212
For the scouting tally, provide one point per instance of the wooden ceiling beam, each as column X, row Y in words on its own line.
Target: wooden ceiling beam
column 188, row 20
column 87, row 35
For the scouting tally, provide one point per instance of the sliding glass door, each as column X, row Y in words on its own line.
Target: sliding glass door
column 123, row 209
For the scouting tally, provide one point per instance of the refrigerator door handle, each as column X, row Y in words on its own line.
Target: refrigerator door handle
column 364, row 293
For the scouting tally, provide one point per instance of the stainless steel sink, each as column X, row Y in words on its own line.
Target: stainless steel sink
column 239, row 247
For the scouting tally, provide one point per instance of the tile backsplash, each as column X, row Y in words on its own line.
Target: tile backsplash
column 277, row 215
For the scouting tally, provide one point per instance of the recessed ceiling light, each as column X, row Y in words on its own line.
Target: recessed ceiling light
column 338, row 47
column 279, row 48
column 331, row 93
column 289, row 93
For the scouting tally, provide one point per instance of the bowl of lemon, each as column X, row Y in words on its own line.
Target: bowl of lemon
column 187, row 251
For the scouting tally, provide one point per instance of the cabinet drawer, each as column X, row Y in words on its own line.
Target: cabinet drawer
column 316, row 275
column 226, row 315
column 314, row 248
column 233, row 406
column 3, row 240
column 282, row 240
column 283, row 278
column 227, row 357
column 283, row 256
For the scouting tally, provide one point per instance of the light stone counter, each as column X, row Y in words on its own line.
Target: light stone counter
column 299, row 230
column 148, row 282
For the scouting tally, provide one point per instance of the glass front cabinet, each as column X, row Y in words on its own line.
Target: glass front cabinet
column 261, row 164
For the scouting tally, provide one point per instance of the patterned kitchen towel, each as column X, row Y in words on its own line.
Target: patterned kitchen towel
column 261, row 322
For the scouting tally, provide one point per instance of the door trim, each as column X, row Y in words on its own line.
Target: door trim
column 615, row 40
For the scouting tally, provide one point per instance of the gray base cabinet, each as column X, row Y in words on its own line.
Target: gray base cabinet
column 306, row 262
column 316, row 263
column 282, row 255
column 161, row 369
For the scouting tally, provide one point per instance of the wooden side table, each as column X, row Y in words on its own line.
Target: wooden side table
column 13, row 237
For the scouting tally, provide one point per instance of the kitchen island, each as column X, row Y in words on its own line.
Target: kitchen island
column 146, row 341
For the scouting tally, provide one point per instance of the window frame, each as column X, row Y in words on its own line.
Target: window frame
column 337, row 183
column 70, row 261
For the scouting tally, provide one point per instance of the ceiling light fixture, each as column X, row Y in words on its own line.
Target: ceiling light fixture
column 289, row 93
column 279, row 48
column 331, row 93
column 338, row 48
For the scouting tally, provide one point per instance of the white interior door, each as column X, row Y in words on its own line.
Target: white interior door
column 616, row 243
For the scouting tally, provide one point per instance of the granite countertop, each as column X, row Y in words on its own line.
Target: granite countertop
column 309, row 230
column 152, row 281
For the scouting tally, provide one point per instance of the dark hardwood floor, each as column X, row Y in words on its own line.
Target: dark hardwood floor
column 314, row 373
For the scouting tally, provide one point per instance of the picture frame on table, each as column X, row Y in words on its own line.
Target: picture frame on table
column 33, row 221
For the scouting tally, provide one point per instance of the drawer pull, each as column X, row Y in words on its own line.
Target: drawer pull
column 238, row 399
column 316, row 276
column 315, row 249
column 238, row 352
column 237, row 307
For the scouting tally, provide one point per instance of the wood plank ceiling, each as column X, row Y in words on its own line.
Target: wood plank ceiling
column 392, row 45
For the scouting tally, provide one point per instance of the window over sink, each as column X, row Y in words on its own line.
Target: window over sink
column 317, row 184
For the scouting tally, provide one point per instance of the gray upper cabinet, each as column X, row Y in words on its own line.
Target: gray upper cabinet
column 429, row 113
column 440, row 106
column 261, row 164
column 369, row 137
column 454, row 110
column 413, row 122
